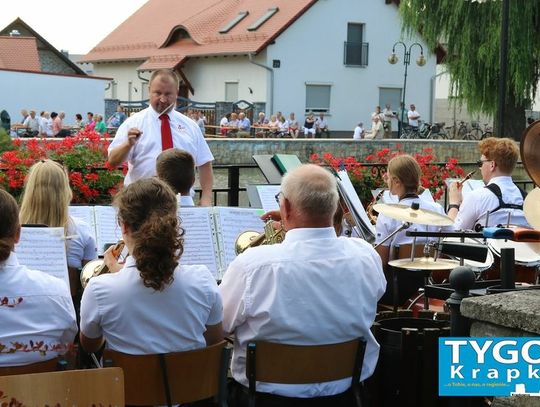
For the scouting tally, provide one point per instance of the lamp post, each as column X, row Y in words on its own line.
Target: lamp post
column 393, row 59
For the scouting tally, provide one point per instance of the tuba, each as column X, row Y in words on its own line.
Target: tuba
column 97, row 267
column 251, row 238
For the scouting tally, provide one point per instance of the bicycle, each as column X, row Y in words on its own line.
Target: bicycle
column 437, row 131
column 477, row 133
column 462, row 131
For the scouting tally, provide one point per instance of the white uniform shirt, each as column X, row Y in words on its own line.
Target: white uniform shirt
column 137, row 320
column 45, row 314
column 184, row 200
column 385, row 225
column 83, row 244
column 312, row 289
column 475, row 205
column 142, row 156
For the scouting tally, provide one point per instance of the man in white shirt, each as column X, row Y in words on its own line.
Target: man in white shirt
column 500, row 196
column 140, row 139
column 413, row 117
column 358, row 132
column 177, row 168
column 314, row 288
column 321, row 125
column 388, row 115
column 32, row 123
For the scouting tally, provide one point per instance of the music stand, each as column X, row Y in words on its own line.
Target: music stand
column 268, row 168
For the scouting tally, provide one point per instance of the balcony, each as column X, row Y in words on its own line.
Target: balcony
column 355, row 53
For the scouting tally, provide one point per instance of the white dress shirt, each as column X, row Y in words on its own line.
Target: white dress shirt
column 385, row 225
column 184, row 200
column 475, row 205
column 45, row 314
column 138, row 320
column 312, row 289
column 410, row 115
column 82, row 245
column 358, row 133
column 141, row 159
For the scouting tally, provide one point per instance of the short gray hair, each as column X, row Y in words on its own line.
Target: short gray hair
column 312, row 189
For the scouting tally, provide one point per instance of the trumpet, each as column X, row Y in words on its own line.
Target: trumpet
column 97, row 267
column 251, row 238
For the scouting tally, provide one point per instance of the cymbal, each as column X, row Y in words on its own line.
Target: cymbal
column 531, row 206
column 424, row 263
column 407, row 214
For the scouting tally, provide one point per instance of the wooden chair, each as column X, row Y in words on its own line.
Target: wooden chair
column 292, row 364
column 173, row 378
column 50, row 365
column 68, row 388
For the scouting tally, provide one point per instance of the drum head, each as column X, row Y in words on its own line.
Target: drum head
column 477, row 266
column 526, row 253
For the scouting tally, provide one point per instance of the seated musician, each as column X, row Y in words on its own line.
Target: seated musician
column 151, row 304
column 314, row 288
column 499, row 198
column 36, row 309
column 177, row 168
column 46, row 199
column 403, row 180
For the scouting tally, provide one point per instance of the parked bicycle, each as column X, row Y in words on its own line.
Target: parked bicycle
column 477, row 133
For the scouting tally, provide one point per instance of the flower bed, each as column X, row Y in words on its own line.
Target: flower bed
column 367, row 174
column 84, row 157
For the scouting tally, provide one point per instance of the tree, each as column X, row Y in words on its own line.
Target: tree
column 470, row 33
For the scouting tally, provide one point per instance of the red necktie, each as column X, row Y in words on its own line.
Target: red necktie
column 166, row 135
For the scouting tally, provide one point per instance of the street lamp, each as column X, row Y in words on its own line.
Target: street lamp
column 393, row 59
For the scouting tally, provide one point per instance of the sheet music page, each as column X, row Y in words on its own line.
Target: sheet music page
column 355, row 200
column 267, row 195
column 85, row 213
column 200, row 242
column 44, row 249
column 230, row 223
column 107, row 229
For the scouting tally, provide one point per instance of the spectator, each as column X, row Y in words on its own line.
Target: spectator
column 100, row 125
column 321, row 125
column 283, row 127
column 58, row 125
column 293, row 126
column 261, row 122
column 273, row 125
column 359, row 132
column 388, row 115
column 90, row 123
column 117, row 118
column 45, row 125
column 413, row 117
column 377, row 129
column 79, row 121
column 201, row 121
column 233, row 125
column 32, row 123
column 244, row 125
column 224, row 123
column 309, row 126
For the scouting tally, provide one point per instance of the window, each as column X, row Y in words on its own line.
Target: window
column 231, row 91
column 264, row 18
column 355, row 50
column 230, row 25
column 114, row 90
column 391, row 96
column 144, row 90
column 318, row 98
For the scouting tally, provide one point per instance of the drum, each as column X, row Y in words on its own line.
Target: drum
column 476, row 266
column 527, row 259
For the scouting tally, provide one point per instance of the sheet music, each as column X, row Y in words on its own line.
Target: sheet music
column 231, row 222
column 85, row 213
column 267, row 195
column 44, row 249
column 199, row 238
column 355, row 200
column 107, row 229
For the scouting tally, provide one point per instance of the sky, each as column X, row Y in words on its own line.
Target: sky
column 73, row 25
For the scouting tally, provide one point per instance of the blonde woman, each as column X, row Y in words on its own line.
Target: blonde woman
column 46, row 199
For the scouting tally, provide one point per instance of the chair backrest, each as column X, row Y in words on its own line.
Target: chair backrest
column 292, row 364
column 172, row 378
column 38, row 367
column 71, row 387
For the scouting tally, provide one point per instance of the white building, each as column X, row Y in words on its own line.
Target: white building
column 295, row 56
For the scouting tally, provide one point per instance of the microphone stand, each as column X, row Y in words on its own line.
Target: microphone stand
column 404, row 225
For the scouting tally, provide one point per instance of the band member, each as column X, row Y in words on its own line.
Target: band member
column 37, row 314
column 46, row 199
column 177, row 168
column 286, row 292
column 403, row 180
column 499, row 198
column 151, row 304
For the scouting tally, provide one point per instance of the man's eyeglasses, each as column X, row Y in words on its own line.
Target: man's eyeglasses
column 277, row 196
column 479, row 163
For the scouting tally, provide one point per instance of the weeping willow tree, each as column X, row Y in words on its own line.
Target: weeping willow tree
column 470, row 33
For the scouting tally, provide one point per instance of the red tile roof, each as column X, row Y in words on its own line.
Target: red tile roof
column 151, row 33
column 19, row 53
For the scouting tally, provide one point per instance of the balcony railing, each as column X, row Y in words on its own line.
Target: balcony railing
column 355, row 53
